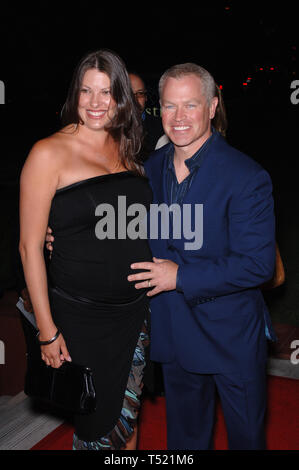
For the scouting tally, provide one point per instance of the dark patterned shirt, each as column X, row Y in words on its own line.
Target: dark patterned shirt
column 176, row 191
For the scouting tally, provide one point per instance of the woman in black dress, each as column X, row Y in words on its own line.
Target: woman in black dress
column 85, row 294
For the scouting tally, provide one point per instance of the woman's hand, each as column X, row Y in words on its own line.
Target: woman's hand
column 56, row 353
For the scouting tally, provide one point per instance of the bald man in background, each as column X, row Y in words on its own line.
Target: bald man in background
column 151, row 120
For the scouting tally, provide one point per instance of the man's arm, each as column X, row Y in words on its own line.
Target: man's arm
column 251, row 259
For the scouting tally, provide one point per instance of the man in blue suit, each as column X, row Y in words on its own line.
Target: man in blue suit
column 209, row 320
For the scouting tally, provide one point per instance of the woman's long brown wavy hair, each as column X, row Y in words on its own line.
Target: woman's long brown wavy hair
column 126, row 126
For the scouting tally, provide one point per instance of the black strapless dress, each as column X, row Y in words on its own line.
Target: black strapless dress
column 100, row 314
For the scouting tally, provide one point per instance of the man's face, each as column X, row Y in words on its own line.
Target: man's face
column 139, row 90
column 186, row 114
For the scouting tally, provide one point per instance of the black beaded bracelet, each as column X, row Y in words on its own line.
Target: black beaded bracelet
column 44, row 343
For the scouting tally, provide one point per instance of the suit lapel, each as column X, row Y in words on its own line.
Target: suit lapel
column 203, row 182
column 159, row 182
column 160, row 195
column 206, row 176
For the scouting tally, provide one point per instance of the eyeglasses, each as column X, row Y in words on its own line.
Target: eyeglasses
column 140, row 94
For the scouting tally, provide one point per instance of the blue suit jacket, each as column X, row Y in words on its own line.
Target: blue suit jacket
column 217, row 323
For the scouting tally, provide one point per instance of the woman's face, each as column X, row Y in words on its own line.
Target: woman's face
column 96, row 106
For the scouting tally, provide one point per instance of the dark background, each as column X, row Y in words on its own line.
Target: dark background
column 251, row 50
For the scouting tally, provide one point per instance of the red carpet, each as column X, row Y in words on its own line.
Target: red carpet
column 282, row 424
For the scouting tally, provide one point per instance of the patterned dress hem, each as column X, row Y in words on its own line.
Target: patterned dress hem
column 124, row 428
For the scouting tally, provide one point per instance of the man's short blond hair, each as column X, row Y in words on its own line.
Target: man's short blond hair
column 181, row 70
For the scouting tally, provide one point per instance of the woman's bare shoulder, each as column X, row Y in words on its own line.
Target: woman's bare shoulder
column 53, row 149
column 57, row 143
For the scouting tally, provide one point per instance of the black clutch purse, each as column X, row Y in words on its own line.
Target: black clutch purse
column 70, row 387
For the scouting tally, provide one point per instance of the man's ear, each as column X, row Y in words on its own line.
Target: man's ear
column 213, row 107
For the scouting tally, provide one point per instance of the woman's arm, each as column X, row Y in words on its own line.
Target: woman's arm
column 39, row 180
